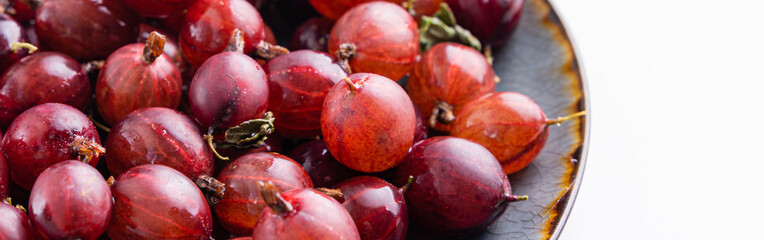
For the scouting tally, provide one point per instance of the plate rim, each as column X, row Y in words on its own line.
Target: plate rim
column 584, row 104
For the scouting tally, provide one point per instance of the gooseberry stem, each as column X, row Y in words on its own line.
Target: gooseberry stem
column 351, row 85
column 209, row 138
column 213, row 186
column 269, row 51
column 274, row 200
column 515, row 198
column 18, row 206
column 344, row 54
column 87, row 149
column 560, row 120
column 235, row 42
column 408, row 184
column 15, row 47
column 331, row 192
column 442, row 113
column 154, row 47
column 110, row 181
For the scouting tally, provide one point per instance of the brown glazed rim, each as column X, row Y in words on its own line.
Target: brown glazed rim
column 584, row 104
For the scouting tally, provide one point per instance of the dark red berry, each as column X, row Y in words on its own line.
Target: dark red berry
column 302, row 214
column 153, row 201
column 208, row 25
column 421, row 126
column 446, row 77
column 70, row 200
column 11, row 33
column 137, row 76
column 376, row 37
column 459, row 187
column 15, row 224
column 491, row 21
column 323, row 168
column 158, row 8
column 368, row 122
column 312, row 35
column 298, row 84
column 158, row 136
column 334, row 9
column 377, row 207
column 4, row 188
column 242, row 204
column 42, row 78
column 85, row 29
column 23, row 10
column 228, row 89
column 45, row 135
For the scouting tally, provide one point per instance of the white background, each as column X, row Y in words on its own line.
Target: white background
column 677, row 110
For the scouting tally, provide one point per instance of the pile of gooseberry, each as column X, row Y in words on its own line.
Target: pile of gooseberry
column 185, row 119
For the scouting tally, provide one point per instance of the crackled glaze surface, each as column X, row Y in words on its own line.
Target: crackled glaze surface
column 539, row 61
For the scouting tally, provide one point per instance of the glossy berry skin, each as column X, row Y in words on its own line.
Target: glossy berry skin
column 242, row 204
column 315, row 216
column 377, row 207
column 158, row 8
column 128, row 82
column 158, row 136
column 85, row 29
column 509, row 124
column 421, row 126
column 458, row 186
column 312, row 34
column 10, row 32
column 154, row 201
column 323, row 168
column 371, row 128
column 40, row 78
column 70, row 200
column 336, row 8
column 4, row 188
column 15, row 224
column 208, row 26
column 385, row 36
column 23, row 11
column 491, row 21
column 450, row 73
column 426, row 7
column 298, row 84
column 228, row 89
column 42, row 136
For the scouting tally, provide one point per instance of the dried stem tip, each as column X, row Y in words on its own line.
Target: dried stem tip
column 154, row 47
column 344, row 54
column 110, row 181
column 15, row 47
column 214, row 189
column 560, row 120
column 442, row 113
column 334, row 193
column 274, row 200
column 236, row 42
column 209, row 138
column 87, row 149
column 269, row 51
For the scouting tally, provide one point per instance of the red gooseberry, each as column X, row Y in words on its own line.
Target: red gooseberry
column 137, row 76
column 302, row 214
column 376, row 37
column 153, row 201
column 70, row 200
column 368, row 122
